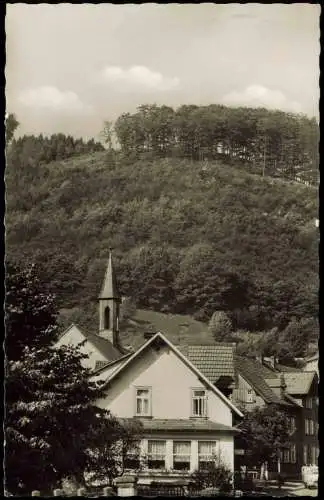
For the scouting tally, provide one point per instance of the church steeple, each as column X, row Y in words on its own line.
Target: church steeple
column 109, row 300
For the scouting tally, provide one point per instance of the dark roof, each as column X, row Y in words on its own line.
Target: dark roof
column 104, row 346
column 253, row 372
column 109, row 288
column 172, row 424
column 214, row 361
column 283, row 368
column 299, row 383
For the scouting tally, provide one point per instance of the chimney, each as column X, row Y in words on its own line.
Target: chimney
column 148, row 335
column 283, row 385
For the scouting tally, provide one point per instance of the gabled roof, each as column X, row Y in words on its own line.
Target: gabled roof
column 104, row 346
column 299, row 382
column 253, row 372
column 109, row 288
column 173, row 424
column 159, row 337
column 214, row 361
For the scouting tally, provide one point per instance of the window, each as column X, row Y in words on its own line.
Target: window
column 181, row 455
column 206, row 453
column 143, row 401
column 306, row 426
column 132, row 458
column 314, row 455
column 311, row 427
column 309, row 403
column 199, row 403
column 286, row 456
column 250, row 396
column 293, row 454
column 156, row 455
column 305, row 454
column 292, row 424
column 107, row 318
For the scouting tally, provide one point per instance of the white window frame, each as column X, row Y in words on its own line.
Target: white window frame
column 151, row 454
column 309, row 403
column 311, row 427
column 185, row 456
column 207, row 458
column 293, row 455
column 149, row 398
column 204, row 399
column 250, row 396
column 305, row 454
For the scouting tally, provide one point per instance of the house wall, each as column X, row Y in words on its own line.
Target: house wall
column 239, row 395
column 312, row 366
column 224, row 447
column 170, row 381
column 74, row 337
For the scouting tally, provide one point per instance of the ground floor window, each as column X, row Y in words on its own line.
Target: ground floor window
column 206, row 453
column 132, row 458
column 156, row 454
column 181, row 455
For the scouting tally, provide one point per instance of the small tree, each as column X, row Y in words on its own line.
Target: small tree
column 264, row 433
column 30, row 311
column 220, row 326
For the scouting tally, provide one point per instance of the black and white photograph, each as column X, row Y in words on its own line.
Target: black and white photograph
column 162, row 229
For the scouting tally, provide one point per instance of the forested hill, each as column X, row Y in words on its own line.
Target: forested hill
column 189, row 237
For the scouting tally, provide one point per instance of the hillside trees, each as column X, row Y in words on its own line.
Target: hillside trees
column 11, row 125
column 267, row 142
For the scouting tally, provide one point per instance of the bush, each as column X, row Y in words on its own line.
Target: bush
column 215, row 475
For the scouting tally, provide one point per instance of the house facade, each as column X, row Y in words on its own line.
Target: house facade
column 186, row 420
column 259, row 384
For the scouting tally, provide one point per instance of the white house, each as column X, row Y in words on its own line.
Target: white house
column 186, row 419
column 179, row 394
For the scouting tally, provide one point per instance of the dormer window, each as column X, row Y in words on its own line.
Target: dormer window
column 143, row 401
column 199, row 403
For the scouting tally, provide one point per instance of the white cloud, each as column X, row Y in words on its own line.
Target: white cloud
column 259, row 96
column 51, row 98
column 139, row 76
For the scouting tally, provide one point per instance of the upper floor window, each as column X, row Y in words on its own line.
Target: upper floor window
column 206, row 453
column 309, row 403
column 181, row 455
column 292, row 424
column 309, row 427
column 143, row 401
column 199, row 403
column 156, row 451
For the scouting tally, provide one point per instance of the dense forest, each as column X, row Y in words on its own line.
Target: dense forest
column 189, row 236
column 263, row 141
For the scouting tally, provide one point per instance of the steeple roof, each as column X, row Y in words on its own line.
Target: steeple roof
column 109, row 288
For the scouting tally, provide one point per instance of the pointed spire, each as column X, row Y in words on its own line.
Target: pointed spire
column 109, row 288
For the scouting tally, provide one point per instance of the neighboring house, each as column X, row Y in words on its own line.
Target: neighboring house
column 103, row 347
column 258, row 384
column 311, row 363
column 186, row 418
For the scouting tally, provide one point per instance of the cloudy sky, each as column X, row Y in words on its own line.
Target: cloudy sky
column 70, row 67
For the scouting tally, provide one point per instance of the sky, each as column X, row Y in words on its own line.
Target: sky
column 71, row 67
